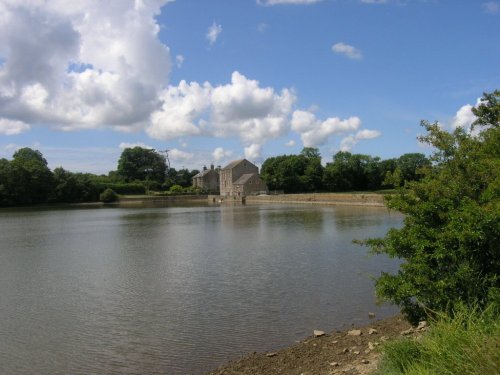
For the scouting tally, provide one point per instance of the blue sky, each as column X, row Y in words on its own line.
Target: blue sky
column 217, row 80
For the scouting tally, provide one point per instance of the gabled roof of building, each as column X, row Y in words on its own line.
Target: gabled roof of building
column 203, row 173
column 244, row 178
column 234, row 164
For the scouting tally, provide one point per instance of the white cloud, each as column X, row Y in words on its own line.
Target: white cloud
column 253, row 152
column 213, row 33
column 220, row 154
column 241, row 108
column 180, row 156
column 492, row 7
column 347, row 143
column 314, row 132
column 281, row 2
column 367, row 134
column 182, row 108
column 290, row 143
column 12, row 127
column 244, row 109
column 179, row 59
column 125, row 145
column 347, row 50
column 464, row 117
column 55, row 71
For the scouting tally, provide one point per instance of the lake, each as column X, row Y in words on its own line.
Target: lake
column 179, row 289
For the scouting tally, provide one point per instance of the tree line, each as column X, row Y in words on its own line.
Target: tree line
column 346, row 172
column 27, row 179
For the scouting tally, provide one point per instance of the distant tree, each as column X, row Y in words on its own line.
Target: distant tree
column 142, row 164
column 74, row 187
column 449, row 243
column 294, row 173
column 411, row 164
column 184, row 177
column 352, row 172
column 313, row 172
column 30, row 177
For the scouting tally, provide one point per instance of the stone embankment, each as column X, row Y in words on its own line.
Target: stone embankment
column 369, row 199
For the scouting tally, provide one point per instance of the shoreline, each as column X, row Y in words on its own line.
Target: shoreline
column 348, row 199
column 353, row 351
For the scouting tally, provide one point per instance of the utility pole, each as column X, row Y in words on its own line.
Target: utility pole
column 166, row 157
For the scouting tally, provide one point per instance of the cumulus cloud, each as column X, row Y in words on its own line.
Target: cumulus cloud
column 220, row 154
column 314, row 132
column 492, row 7
column 244, row 109
column 281, row 2
column 181, row 111
column 253, row 152
column 347, row 143
column 464, row 117
column 290, row 143
column 213, row 33
column 12, row 127
column 180, row 156
column 347, row 50
column 55, row 71
column 241, row 108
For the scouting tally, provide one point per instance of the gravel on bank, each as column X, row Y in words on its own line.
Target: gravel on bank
column 352, row 352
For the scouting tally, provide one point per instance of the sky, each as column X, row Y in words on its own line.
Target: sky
column 218, row 80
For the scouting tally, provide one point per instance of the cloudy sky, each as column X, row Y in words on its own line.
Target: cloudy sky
column 216, row 80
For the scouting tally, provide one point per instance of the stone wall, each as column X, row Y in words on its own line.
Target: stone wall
column 322, row 198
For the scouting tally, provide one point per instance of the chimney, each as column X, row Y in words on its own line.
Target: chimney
column 211, row 166
column 204, row 167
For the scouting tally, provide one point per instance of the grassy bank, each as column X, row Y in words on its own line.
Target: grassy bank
column 467, row 344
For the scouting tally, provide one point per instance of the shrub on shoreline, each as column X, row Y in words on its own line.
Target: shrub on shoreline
column 466, row 343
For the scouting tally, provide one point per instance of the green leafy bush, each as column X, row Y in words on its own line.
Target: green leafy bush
column 466, row 343
column 176, row 189
column 449, row 242
column 108, row 196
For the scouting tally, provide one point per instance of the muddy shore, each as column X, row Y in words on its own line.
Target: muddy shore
column 354, row 352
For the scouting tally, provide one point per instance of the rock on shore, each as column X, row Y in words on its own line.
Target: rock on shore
column 335, row 353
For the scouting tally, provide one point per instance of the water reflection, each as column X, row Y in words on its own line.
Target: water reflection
column 176, row 289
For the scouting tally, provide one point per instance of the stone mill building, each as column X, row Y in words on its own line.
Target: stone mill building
column 241, row 178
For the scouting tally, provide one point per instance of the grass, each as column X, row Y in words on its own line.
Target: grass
column 467, row 344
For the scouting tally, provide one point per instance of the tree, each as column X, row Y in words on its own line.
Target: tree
column 142, row 164
column 353, row 172
column 74, row 187
column 449, row 240
column 294, row 173
column 30, row 178
column 411, row 164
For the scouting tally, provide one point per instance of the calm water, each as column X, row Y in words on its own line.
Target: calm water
column 178, row 290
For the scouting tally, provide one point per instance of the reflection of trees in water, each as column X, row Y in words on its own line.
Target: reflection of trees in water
column 245, row 217
column 301, row 218
column 353, row 216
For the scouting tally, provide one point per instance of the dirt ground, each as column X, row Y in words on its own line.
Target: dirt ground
column 347, row 352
